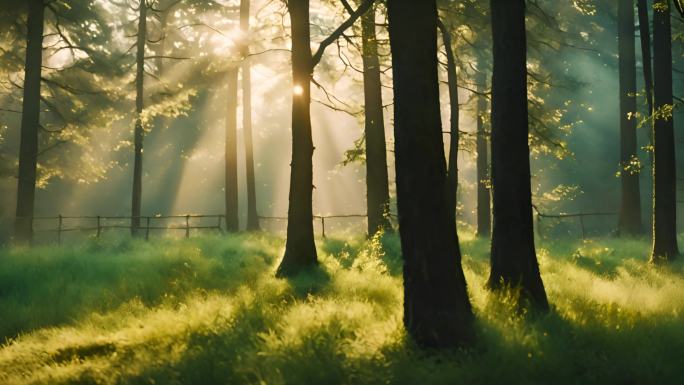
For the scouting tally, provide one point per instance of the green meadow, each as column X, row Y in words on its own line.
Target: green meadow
column 209, row 310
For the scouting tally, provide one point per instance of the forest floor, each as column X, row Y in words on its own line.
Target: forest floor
column 208, row 310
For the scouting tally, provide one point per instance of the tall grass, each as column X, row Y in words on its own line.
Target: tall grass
column 209, row 311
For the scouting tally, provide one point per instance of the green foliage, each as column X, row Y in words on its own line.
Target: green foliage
column 209, row 311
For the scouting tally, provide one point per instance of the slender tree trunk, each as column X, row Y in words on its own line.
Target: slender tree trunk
column 252, row 215
column 629, row 222
column 645, row 36
column 30, row 122
column 513, row 256
column 664, row 171
column 300, row 250
column 139, row 132
column 452, row 80
column 437, row 311
column 231, row 181
column 377, row 185
column 484, row 209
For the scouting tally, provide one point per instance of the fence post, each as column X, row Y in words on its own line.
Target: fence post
column 581, row 219
column 187, row 226
column 59, row 230
column 323, row 225
column 147, row 228
column 218, row 225
column 99, row 228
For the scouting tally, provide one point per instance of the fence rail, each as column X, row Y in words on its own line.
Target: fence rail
column 580, row 217
column 147, row 223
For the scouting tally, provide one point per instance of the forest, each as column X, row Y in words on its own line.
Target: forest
column 341, row 192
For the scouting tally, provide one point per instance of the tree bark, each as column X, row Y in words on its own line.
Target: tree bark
column 665, row 246
column 645, row 37
column 139, row 132
column 513, row 255
column 629, row 222
column 252, row 215
column 231, row 172
column 484, row 209
column 437, row 311
column 30, row 123
column 377, row 185
column 300, row 250
column 452, row 81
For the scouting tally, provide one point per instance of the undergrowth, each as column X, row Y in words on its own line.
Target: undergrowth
column 210, row 311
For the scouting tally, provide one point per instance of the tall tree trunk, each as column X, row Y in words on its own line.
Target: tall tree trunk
column 377, row 185
column 252, row 215
column 139, row 132
column 30, row 122
column 300, row 250
column 231, row 181
column 629, row 222
column 484, row 207
column 645, row 37
column 452, row 81
column 437, row 311
column 664, row 170
column 513, row 256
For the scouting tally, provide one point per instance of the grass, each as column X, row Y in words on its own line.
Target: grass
column 209, row 311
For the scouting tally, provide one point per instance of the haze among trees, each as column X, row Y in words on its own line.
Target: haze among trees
column 352, row 191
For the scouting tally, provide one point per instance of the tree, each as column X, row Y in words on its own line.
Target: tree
column 30, row 123
column 231, row 188
column 377, row 185
column 139, row 131
column 629, row 222
column 665, row 246
column 300, row 250
column 252, row 215
column 437, row 311
column 484, row 210
column 645, row 38
column 452, row 82
column 513, row 255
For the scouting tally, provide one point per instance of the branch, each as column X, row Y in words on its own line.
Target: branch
column 316, row 58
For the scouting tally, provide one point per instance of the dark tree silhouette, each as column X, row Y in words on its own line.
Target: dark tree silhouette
column 665, row 246
column 452, row 81
column 437, row 311
column 30, row 123
column 513, row 255
column 484, row 209
column 231, row 188
column 629, row 222
column 252, row 215
column 139, row 132
column 377, row 185
column 300, row 250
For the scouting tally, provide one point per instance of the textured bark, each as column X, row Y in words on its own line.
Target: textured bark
column 484, row 209
column 139, row 133
column 437, row 311
column 377, row 185
column 300, row 250
column 252, row 215
column 231, row 172
column 664, row 169
column 452, row 81
column 629, row 222
column 645, row 37
column 513, row 255
column 30, row 122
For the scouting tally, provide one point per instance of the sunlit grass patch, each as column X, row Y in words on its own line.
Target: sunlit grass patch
column 210, row 311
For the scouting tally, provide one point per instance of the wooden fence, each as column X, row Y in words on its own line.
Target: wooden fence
column 97, row 224
column 147, row 223
column 579, row 216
